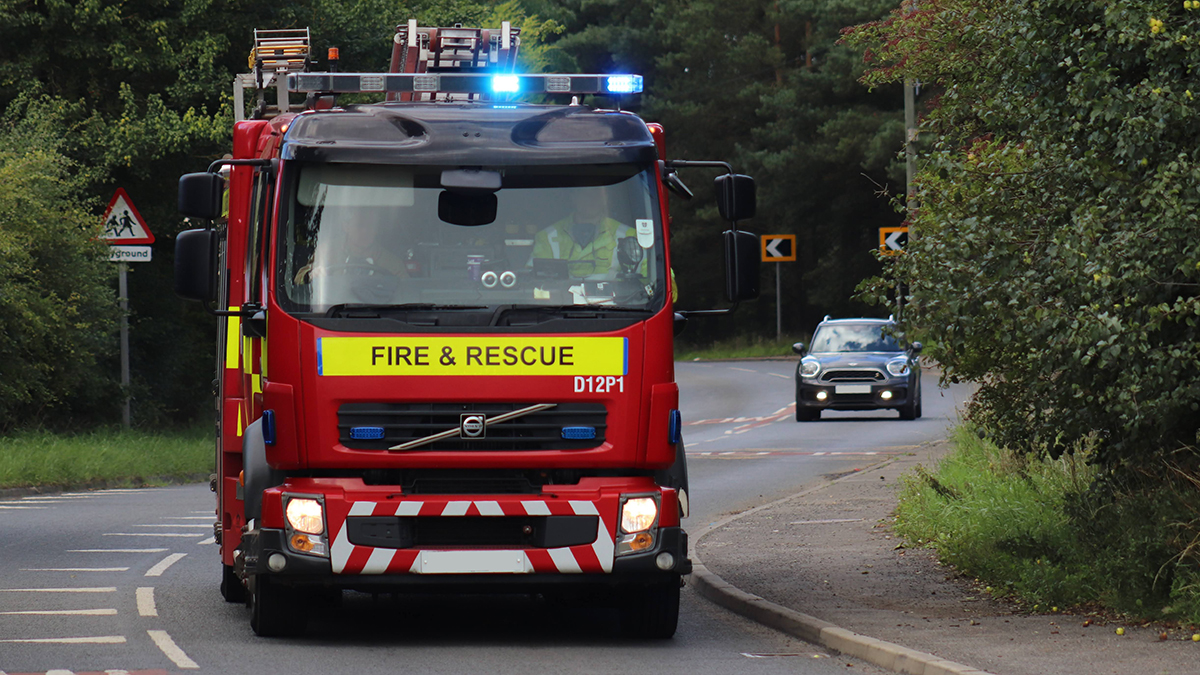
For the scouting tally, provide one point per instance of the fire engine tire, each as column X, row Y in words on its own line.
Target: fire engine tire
column 231, row 586
column 652, row 612
column 274, row 611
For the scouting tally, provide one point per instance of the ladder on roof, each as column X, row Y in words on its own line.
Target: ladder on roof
column 452, row 50
column 276, row 54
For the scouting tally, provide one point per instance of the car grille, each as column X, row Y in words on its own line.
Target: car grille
column 471, row 532
column 853, row 376
column 398, row 423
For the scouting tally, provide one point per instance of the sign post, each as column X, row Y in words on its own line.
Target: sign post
column 778, row 248
column 129, row 239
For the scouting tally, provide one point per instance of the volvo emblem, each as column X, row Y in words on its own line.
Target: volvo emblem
column 472, row 426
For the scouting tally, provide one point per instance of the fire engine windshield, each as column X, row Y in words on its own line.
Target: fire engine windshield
column 370, row 236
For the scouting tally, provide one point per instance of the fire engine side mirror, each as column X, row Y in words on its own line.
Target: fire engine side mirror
column 736, row 196
column 195, row 252
column 742, row 257
column 200, row 195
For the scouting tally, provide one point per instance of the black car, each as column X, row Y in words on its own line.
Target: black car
column 857, row 364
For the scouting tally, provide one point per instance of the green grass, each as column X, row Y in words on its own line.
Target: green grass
column 1052, row 532
column 104, row 457
column 735, row 348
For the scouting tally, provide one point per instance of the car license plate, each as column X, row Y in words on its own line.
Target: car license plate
column 852, row 389
column 471, row 562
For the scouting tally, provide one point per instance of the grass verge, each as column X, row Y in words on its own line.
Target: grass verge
column 1056, row 532
column 104, row 457
column 734, row 348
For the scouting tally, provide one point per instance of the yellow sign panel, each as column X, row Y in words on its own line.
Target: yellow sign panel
column 483, row 355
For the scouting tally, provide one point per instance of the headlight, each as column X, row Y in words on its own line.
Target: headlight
column 809, row 367
column 638, row 514
column 898, row 367
column 305, row 515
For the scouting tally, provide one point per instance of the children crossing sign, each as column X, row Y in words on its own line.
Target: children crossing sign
column 123, row 225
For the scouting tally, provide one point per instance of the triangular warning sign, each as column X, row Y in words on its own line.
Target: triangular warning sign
column 122, row 222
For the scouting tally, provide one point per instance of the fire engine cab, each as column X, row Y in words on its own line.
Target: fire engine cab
column 445, row 352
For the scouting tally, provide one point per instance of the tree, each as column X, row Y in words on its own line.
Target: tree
column 1055, row 256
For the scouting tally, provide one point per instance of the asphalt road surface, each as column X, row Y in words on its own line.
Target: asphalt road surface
column 126, row 580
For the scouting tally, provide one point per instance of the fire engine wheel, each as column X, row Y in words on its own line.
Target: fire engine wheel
column 652, row 612
column 274, row 611
column 231, row 586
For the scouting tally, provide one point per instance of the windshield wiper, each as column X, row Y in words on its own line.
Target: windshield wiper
column 565, row 311
column 359, row 310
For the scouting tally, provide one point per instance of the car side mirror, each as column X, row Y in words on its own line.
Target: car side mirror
column 916, row 348
column 799, row 348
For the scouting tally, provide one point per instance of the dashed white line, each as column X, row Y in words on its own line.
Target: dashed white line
column 62, row 612
column 145, row 602
column 100, row 589
column 786, row 377
column 75, row 569
column 209, row 517
column 116, row 550
column 22, row 508
column 745, row 370
column 162, row 566
column 97, row 640
column 174, row 525
column 173, row 652
column 207, row 542
column 149, row 534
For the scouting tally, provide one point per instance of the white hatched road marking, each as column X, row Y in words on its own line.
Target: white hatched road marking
column 150, row 534
column 206, row 542
column 166, row 562
column 145, row 602
column 173, row 652
column 116, row 550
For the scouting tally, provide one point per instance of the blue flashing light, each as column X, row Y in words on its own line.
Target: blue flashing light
column 624, row 84
column 506, row 84
column 366, row 433
column 579, row 433
column 268, row 427
column 675, row 428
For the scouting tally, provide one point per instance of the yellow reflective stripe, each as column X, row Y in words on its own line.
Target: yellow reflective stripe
column 239, row 422
column 247, row 356
column 256, row 384
column 233, row 328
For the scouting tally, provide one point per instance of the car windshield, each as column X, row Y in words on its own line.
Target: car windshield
column 562, row 236
column 854, row 337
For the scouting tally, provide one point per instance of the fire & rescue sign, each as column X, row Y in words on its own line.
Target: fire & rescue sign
column 483, row 355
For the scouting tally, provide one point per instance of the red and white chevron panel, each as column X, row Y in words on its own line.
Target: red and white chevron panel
column 596, row 557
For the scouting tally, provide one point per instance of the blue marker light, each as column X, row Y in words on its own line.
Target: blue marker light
column 624, row 84
column 579, row 433
column 366, row 433
column 506, row 84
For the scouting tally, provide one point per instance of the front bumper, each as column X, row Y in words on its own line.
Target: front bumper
column 816, row 395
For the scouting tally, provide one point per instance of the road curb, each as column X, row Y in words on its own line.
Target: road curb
column 877, row 652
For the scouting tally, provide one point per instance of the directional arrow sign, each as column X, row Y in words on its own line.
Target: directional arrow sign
column 778, row 248
column 122, row 222
column 892, row 240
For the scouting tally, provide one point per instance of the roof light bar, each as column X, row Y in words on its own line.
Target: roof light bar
column 461, row 83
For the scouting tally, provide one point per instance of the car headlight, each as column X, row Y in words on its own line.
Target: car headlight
column 809, row 367
column 898, row 367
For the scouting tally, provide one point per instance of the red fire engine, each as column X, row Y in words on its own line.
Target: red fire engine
column 445, row 352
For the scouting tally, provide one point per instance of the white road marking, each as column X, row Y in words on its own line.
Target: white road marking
column 64, row 612
column 786, row 377
column 162, row 566
column 116, row 550
column 145, row 602
column 75, row 569
column 101, row 589
column 173, row 652
column 22, row 508
column 745, row 370
column 149, row 534
column 98, row 640
column 209, row 517
column 174, row 525
column 206, row 542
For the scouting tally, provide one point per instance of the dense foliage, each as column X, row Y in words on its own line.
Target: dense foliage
column 1055, row 253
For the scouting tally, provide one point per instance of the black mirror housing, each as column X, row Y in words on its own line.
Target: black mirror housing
column 916, row 348
column 200, row 195
column 195, row 256
column 742, row 259
column 467, row 209
column 736, row 196
column 799, row 348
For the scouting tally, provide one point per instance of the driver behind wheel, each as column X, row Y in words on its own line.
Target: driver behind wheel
column 354, row 247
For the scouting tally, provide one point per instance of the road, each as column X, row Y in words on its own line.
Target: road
column 127, row 579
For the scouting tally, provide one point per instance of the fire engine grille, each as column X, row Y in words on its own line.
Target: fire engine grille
column 566, row 426
column 853, row 376
column 471, row 531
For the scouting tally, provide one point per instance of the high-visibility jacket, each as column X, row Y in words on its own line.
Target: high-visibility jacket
column 597, row 257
